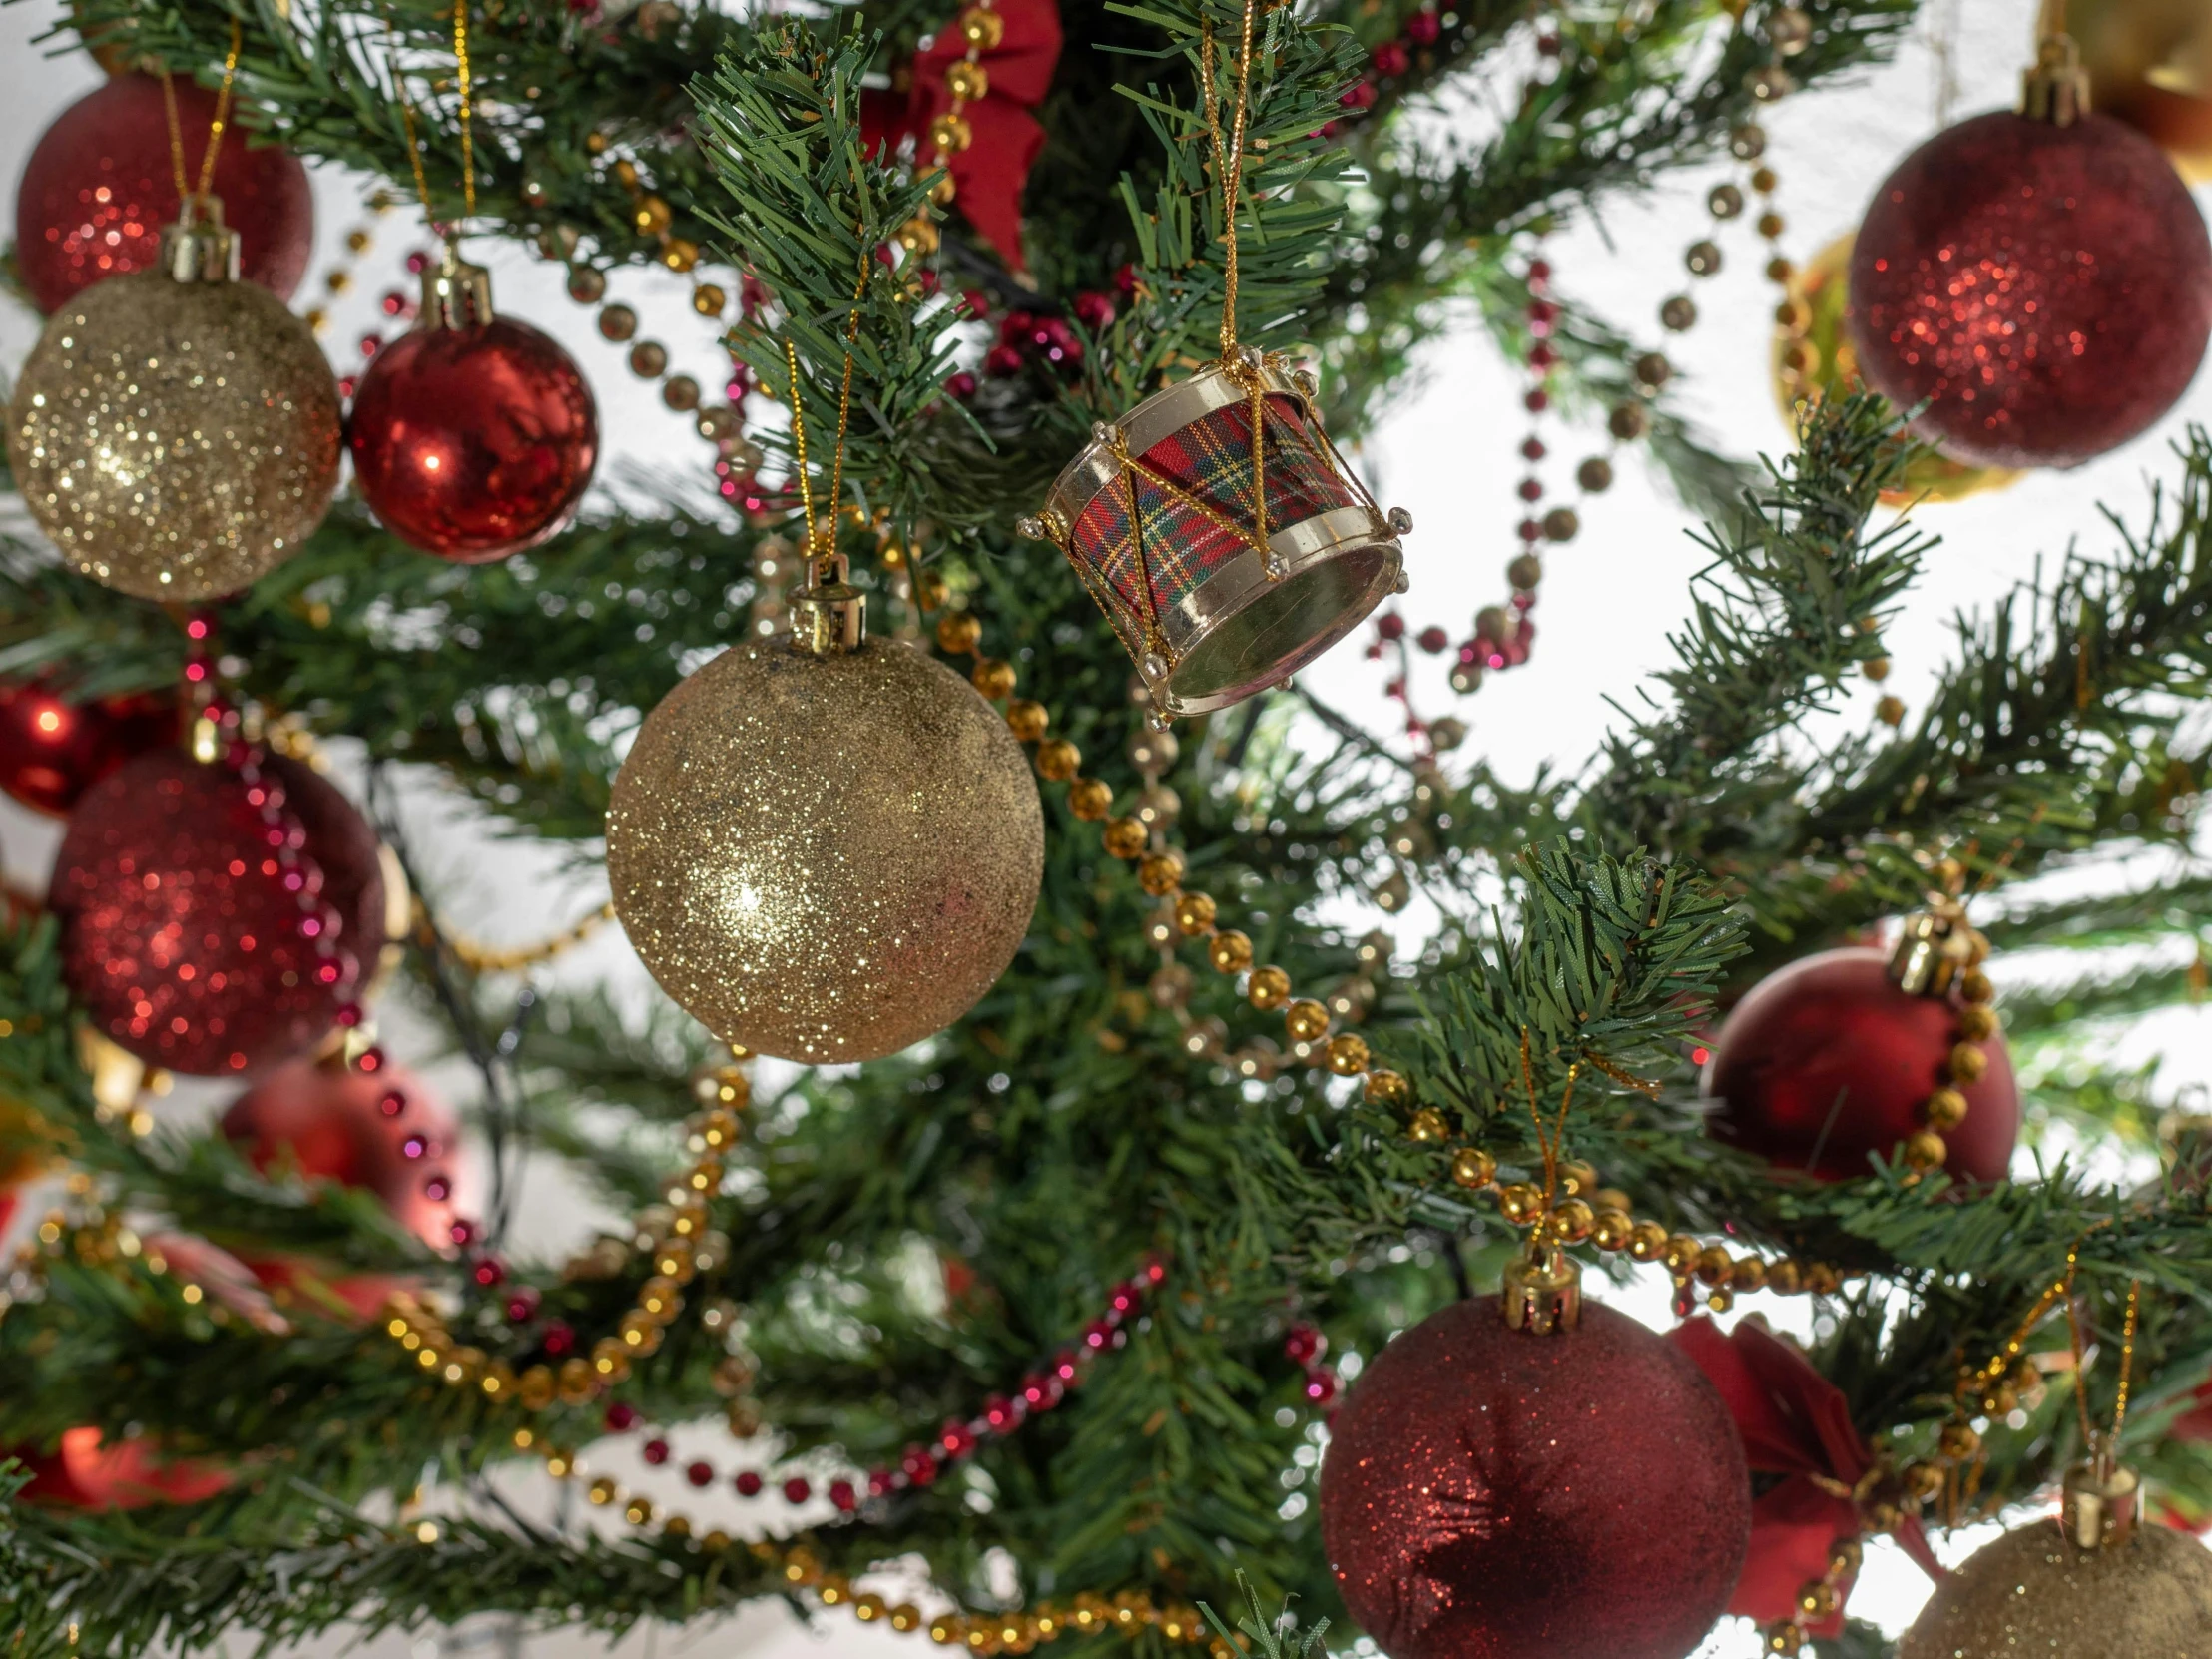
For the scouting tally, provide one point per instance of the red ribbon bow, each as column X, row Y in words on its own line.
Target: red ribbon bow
column 989, row 175
column 1795, row 1423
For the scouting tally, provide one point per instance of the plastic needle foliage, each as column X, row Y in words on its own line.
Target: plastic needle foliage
column 900, row 1243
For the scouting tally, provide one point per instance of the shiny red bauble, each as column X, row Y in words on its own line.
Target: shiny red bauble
column 100, row 185
column 381, row 1131
column 1826, row 1064
column 1491, row 1491
column 2049, row 288
column 474, row 443
column 216, row 918
column 53, row 750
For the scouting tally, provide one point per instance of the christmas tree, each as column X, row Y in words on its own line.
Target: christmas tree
column 983, row 787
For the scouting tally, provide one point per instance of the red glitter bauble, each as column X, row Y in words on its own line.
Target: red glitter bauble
column 381, row 1131
column 1491, row 1493
column 100, row 185
column 2049, row 288
column 1827, row 1063
column 474, row 443
column 52, row 750
column 215, row 917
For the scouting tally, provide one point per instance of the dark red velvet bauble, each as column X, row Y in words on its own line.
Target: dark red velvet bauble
column 474, row 443
column 215, row 917
column 1826, row 1062
column 381, row 1131
column 52, row 750
column 100, row 185
column 2050, row 287
column 1491, row 1493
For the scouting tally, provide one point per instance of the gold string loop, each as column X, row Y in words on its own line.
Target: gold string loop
column 185, row 190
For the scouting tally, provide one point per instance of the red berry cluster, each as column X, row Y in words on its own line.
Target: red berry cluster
column 920, row 1464
column 1393, row 59
column 1040, row 340
column 1306, row 1345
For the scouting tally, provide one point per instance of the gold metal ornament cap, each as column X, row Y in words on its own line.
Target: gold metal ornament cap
column 455, row 294
column 1933, row 949
column 2056, row 88
column 199, row 248
column 829, row 614
column 1543, row 1292
column 2102, row 1501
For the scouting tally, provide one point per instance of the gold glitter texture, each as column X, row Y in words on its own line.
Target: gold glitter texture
column 825, row 858
column 175, row 439
column 2031, row 1592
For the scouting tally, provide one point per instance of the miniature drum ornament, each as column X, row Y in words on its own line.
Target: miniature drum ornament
column 1220, row 589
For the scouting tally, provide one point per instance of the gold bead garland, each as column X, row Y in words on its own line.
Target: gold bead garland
column 1140, row 836
column 1818, row 1601
column 1938, row 952
column 650, row 216
column 1586, row 1212
column 966, row 82
column 97, row 1238
column 1496, row 626
column 682, row 1245
column 338, row 279
column 483, row 958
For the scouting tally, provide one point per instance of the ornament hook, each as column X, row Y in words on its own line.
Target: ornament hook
column 2103, row 1498
column 455, row 294
column 2056, row 88
column 199, row 248
column 829, row 614
column 1543, row 1292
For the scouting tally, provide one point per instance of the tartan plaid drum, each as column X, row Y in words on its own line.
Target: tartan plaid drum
column 1159, row 516
column 1156, row 559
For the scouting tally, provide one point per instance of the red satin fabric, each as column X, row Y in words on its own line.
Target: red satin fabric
column 989, row 175
column 1795, row 1423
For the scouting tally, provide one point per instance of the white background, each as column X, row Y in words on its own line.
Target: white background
column 1447, row 454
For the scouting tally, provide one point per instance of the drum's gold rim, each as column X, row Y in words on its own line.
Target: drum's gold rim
column 1336, row 534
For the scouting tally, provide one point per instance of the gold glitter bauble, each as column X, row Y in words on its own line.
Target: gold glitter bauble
column 825, row 858
column 2034, row 1595
column 175, row 439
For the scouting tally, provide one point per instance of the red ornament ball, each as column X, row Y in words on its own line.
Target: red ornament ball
column 380, row 1131
column 1491, row 1491
column 100, row 185
column 52, row 750
column 2049, row 288
column 474, row 443
column 215, row 917
column 1826, row 1063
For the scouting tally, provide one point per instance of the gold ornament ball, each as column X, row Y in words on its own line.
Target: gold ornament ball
column 2033, row 1593
column 825, row 859
column 175, row 439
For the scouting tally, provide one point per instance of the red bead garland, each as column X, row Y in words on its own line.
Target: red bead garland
column 960, row 1438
